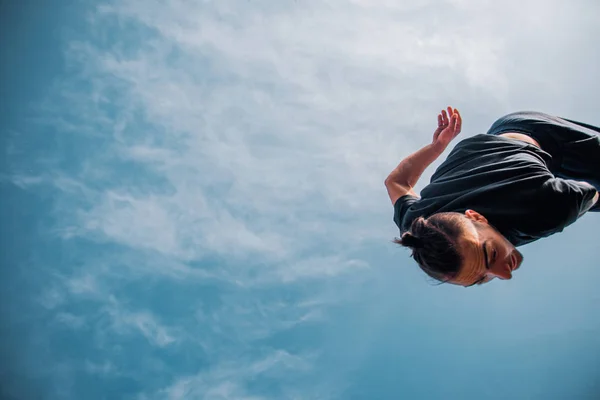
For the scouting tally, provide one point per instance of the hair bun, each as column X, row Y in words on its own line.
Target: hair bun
column 411, row 241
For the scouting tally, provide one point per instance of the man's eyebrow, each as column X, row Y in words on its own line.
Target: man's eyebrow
column 485, row 255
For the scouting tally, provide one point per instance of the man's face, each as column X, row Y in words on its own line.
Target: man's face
column 487, row 254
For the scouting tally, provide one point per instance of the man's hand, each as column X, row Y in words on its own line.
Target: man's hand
column 447, row 129
column 403, row 179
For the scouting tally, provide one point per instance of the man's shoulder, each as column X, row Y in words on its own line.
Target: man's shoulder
column 404, row 211
column 568, row 199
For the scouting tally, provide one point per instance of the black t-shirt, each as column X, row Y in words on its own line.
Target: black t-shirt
column 505, row 180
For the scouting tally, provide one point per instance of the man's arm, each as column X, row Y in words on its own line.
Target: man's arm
column 404, row 177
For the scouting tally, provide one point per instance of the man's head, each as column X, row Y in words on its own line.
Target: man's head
column 462, row 249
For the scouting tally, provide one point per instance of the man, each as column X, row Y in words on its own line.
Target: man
column 530, row 176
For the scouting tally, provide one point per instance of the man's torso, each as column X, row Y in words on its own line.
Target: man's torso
column 505, row 178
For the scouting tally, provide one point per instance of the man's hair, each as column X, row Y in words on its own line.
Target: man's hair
column 434, row 244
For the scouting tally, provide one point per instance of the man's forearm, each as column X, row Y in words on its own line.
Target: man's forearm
column 408, row 172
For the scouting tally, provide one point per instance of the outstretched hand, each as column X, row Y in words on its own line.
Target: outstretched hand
column 447, row 129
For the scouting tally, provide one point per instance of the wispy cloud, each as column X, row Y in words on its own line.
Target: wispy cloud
column 230, row 379
column 85, row 284
column 51, row 298
column 70, row 320
column 319, row 268
column 99, row 368
column 141, row 322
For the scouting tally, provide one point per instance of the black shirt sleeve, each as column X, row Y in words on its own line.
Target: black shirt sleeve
column 569, row 199
column 401, row 207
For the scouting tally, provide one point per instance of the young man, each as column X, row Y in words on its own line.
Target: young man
column 529, row 177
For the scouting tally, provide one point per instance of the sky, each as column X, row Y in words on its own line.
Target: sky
column 193, row 203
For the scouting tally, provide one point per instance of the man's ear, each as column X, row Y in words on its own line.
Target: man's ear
column 475, row 216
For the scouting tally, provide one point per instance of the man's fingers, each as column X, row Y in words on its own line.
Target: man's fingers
column 453, row 121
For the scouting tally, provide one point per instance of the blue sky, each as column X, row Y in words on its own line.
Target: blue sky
column 193, row 203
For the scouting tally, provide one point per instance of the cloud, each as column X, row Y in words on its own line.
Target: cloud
column 70, row 320
column 318, row 268
column 104, row 368
column 142, row 322
column 51, row 298
column 229, row 380
column 83, row 285
column 24, row 181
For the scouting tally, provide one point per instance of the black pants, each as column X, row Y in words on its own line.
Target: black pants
column 574, row 146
